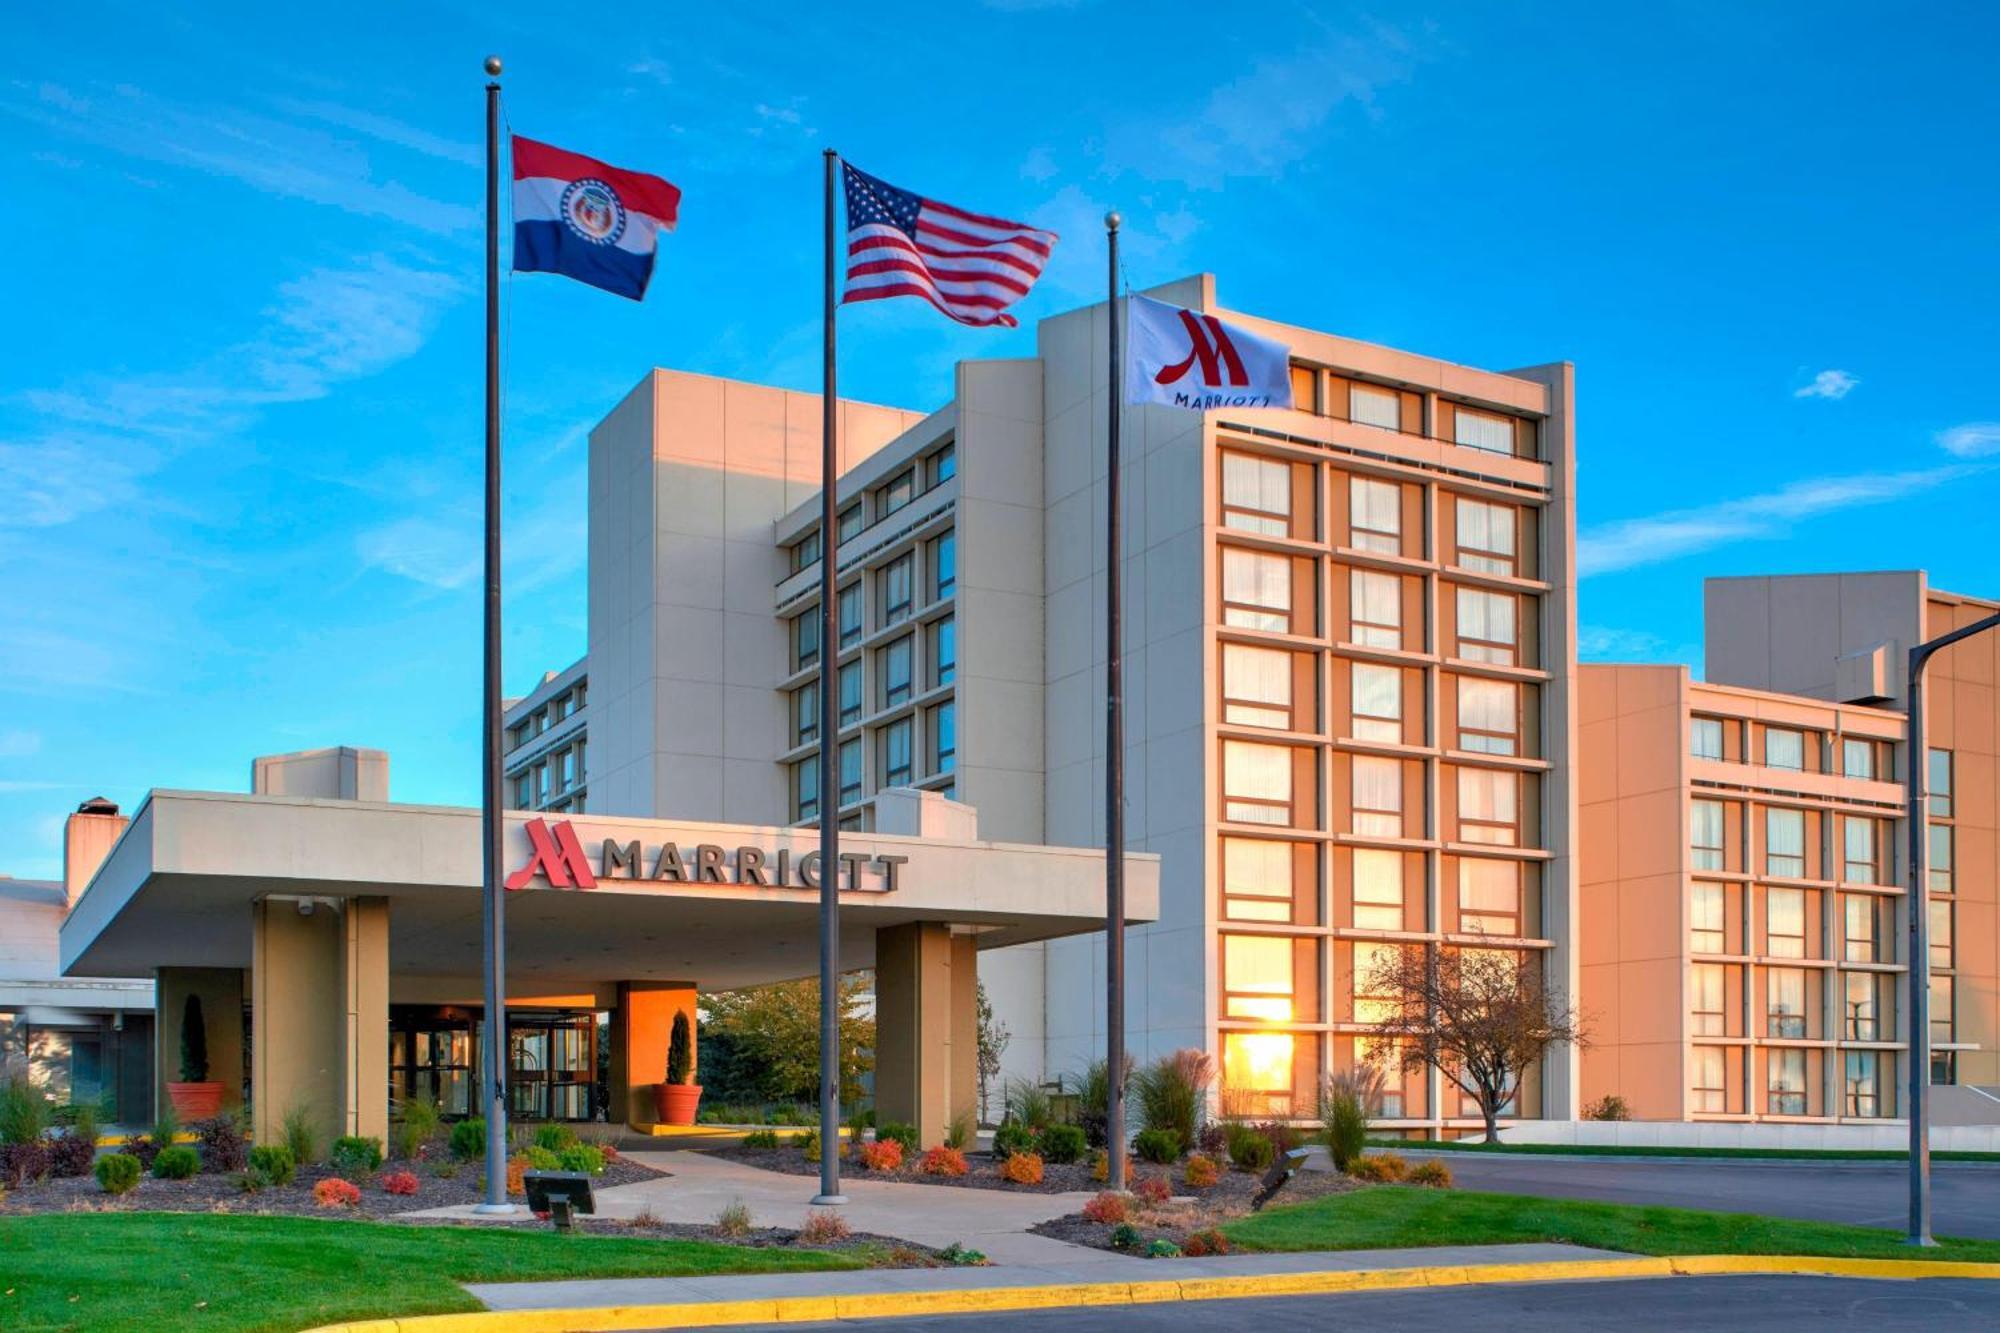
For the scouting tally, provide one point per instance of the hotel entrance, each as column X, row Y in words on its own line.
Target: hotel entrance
column 552, row 1073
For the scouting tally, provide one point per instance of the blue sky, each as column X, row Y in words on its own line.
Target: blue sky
column 240, row 372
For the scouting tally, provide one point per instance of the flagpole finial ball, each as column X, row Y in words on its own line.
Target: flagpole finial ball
column 493, row 66
column 1111, row 220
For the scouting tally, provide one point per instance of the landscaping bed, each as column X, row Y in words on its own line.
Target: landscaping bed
column 1186, row 1215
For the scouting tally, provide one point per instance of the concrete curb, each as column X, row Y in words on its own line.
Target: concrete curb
column 880, row 1305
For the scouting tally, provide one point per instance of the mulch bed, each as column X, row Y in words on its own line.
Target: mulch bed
column 1180, row 1217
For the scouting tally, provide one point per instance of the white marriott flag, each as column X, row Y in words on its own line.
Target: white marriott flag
column 1183, row 358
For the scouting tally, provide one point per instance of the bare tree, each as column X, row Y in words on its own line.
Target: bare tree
column 1480, row 1017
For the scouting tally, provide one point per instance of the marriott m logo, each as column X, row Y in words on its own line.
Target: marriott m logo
column 556, row 854
column 1208, row 343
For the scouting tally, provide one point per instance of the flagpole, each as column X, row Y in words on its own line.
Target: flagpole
column 829, row 744
column 494, row 926
column 1114, row 751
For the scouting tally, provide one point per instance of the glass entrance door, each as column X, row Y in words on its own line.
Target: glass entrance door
column 553, row 1063
column 431, row 1055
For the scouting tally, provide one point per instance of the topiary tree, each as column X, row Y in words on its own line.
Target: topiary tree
column 680, row 1051
column 194, row 1042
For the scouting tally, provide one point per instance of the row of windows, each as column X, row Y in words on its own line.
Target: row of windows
column 1791, row 843
column 1279, row 785
column 1263, row 590
column 895, row 671
column 1331, row 394
column 1375, row 888
column 895, row 598
column 896, row 747
column 556, row 710
column 553, row 777
column 1863, row 928
column 885, row 499
column 1275, row 979
column 1277, row 688
column 1718, row 1085
column 1799, row 750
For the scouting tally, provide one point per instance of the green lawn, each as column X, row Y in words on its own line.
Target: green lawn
column 217, row 1272
column 1398, row 1216
column 1574, row 1150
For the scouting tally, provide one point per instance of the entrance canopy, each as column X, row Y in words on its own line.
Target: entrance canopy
column 600, row 898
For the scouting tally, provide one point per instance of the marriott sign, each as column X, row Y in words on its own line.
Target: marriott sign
column 556, row 856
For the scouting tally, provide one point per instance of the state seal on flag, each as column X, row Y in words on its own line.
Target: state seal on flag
column 592, row 209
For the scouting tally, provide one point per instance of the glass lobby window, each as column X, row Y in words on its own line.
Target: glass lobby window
column 1785, row 843
column 805, row 788
column 898, row 587
column 1377, row 796
column 1485, row 431
column 944, row 650
column 1485, row 626
column 1256, row 686
column 896, row 753
column 1489, row 713
column 1256, row 590
column 1785, row 923
column 1940, row 783
column 805, row 639
column 1485, row 536
column 1708, row 930
column 1860, row 1022
column 1857, row 758
column 1705, row 737
column 1489, row 897
column 1257, row 495
column 1860, row 928
column 1857, row 850
column 1371, row 406
column 944, row 566
column 850, row 772
column 1375, row 608
column 850, row 693
column 1708, row 999
column 899, row 491
column 1940, row 935
column 1377, row 692
column 1256, row 879
column 1785, row 989
column 943, row 729
column 1257, row 979
column 1256, row 783
column 894, row 662
column 805, row 713
column 1864, row 1094
column 1784, row 748
column 849, row 522
column 849, row 608
column 1488, row 806
column 1705, row 837
column 1375, row 515
column 1378, row 889
column 1709, row 1080
column 1787, row 1071
column 1939, row 863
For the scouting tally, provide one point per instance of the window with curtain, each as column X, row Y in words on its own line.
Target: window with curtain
column 1378, row 889
column 1858, row 850
column 1486, row 631
column 849, row 609
column 1941, row 943
column 944, row 650
column 1489, row 897
column 896, row 753
column 1484, row 431
column 1944, row 1023
column 1785, row 843
column 1709, row 1079
column 1784, row 748
column 943, row 729
column 1787, row 1091
column 805, row 788
column 1370, row 962
column 1857, row 758
column 1256, row 590
column 1860, row 1021
column 1375, row 515
column 1939, row 869
column 850, row 693
column 1486, row 536
column 1489, row 715
column 1861, row 928
column 1785, row 989
column 1371, row 406
column 1377, row 795
column 1940, row 783
column 850, row 772
column 1708, row 928
column 1705, row 834
column 1257, row 977
column 898, row 587
column 1256, row 494
column 1708, row 999
column 805, row 639
column 849, row 522
column 1785, row 923
column 1489, row 806
column 1377, row 692
column 1257, row 879
column 1375, row 608
column 944, row 565
column 1705, row 738
column 805, row 713
column 1256, row 783
column 896, row 663
column 1862, row 1086
column 1256, row 686
column 897, row 492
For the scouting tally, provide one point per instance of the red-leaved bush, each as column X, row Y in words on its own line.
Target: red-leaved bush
column 1109, row 1208
column 881, row 1155
column 1023, row 1168
column 333, row 1192
column 943, row 1162
column 1200, row 1243
column 1202, row 1172
column 400, row 1182
column 1152, row 1189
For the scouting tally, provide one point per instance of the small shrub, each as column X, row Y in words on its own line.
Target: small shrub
column 70, row 1154
column 301, row 1135
column 896, row 1132
column 24, row 1112
column 176, row 1163
column 1171, row 1092
column 1283, row 1136
column 1012, row 1137
column 958, row 1134
column 1250, row 1150
column 962, row 1256
column 272, row 1163
column 1379, row 1168
column 446, row 1170
column 1202, row 1172
column 1207, row 1241
column 468, row 1139
column 1028, row 1103
column 1023, row 1168
column 823, row 1227
column 1162, row 1249
column 943, row 1161
column 555, row 1138
column 541, row 1159
column 517, row 1170
column 1061, row 1144
column 418, row 1126
column 356, row 1155
column 400, row 1182
column 118, row 1173
column 249, row 1182
column 24, row 1163
column 733, row 1222
column 1158, row 1146
column 1100, row 1166
column 647, row 1220
column 761, row 1138
column 1344, row 1100
column 1152, row 1190
column 1433, row 1174
column 881, row 1155
column 224, row 1146
column 809, row 1145
column 585, row 1157
column 1125, row 1237
column 1212, row 1140
column 1608, row 1107
column 333, row 1192
column 1108, row 1207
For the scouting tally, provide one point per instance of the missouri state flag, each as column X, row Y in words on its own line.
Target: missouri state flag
column 576, row 216
column 1188, row 359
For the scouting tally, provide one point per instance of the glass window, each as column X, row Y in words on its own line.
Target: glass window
column 1260, row 1063
column 1861, row 928
column 1864, row 1093
column 1377, row 701
column 1489, row 806
column 1483, row 430
column 1705, row 738
column 1940, row 935
column 805, row 713
column 1377, row 796
column 1938, row 865
column 1256, row 686
column 899, row 491
column 898, row 591
column 1376, row 612
column 579, row 748
column 1256, row 783
column 1486, row 626
column 849, row 607
column 1489, row 897
column 541, row 783
column 1784, row 748
column 1378, row 889
column 565, row 771
column 1256, row 590
column 1785, row 843
column 1860, row 1023
column 1857, row 758
column 805, row 788
column 1788, row 1082
column 805, row 551
column 1785, row 988
column 1257, row 980
column 1371, row 406
column 1858, row 850
column 944, row 566
column 1705, row 836
column 944, row 650
column 850, row 693
column 1944, row 1027
column 943, row 728
column 1257, row 879
column 895, row 663
column 805, row 639
column 1257, row 495
column 1710, row 1080
column 1785, row 923
column 942, row 465
column 1371, row 963
column 523, row 793
column 849, row 522
column 1489, row 715
column 1708, row 999
column 1940, row 783
column 1708, row 928
column 1375, row 515
column 850, row 772
column 896, row 753
column 1486, row 536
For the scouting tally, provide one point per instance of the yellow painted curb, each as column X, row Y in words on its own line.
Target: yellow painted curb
column 725, row 1131
column 983, row 1300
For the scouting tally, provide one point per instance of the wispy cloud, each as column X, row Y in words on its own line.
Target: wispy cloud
column 1973, row 439
column 19, row 744
column 387, row 129
column 442, row 551
column 1832, row 384
column 1633, row 542
column 1612, row 643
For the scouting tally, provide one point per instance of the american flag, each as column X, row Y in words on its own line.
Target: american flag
column 970, row 266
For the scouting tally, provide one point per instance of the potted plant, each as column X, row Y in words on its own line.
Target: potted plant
column 679, row 1097
column 194, row 1097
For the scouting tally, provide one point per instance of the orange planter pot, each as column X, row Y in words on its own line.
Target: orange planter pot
column 677, row 1102
column 195, row 1101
